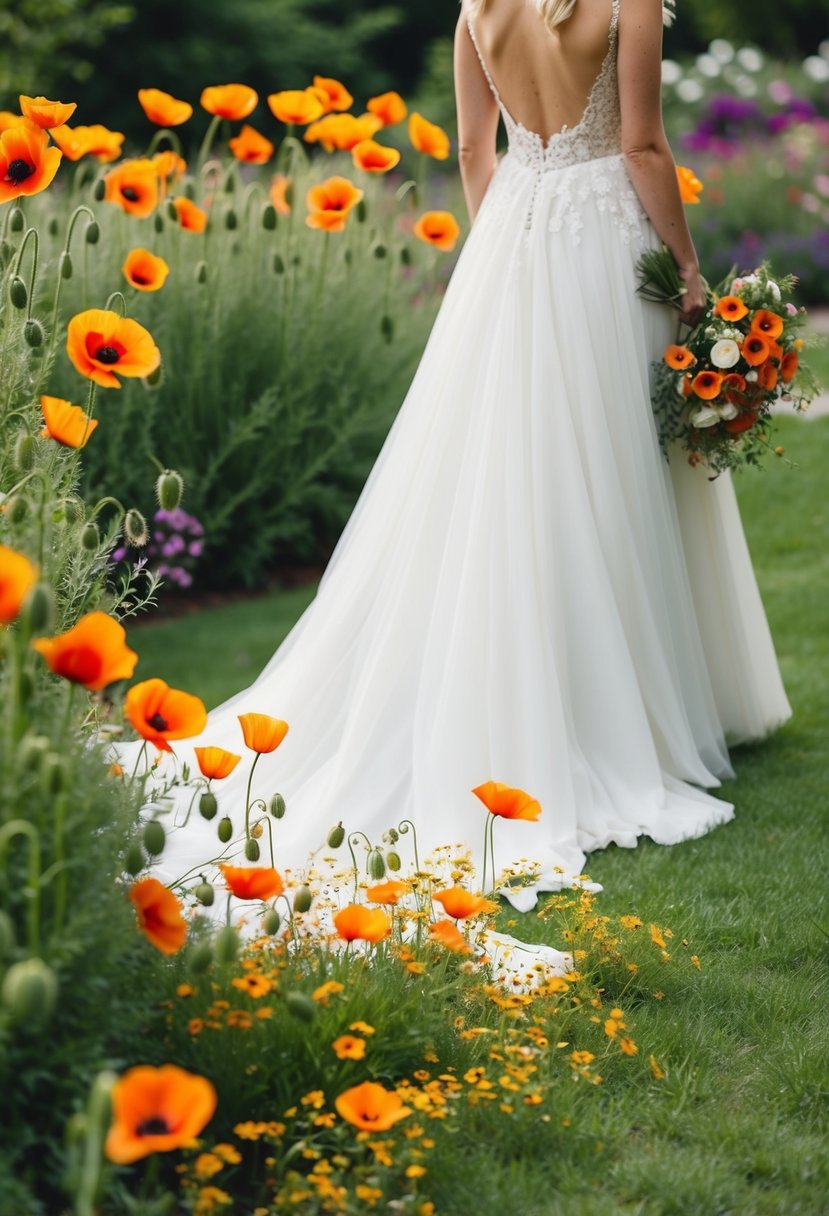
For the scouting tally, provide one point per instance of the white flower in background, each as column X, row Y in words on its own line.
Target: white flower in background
column 745, row 86
column 705, row 416
column 708, row 66
column 750, row 58
column 728, row 411
column 752, row 376
column 816, row 68
column 689, row 90
column 722, row 50
column 725, row 353
column 671, row 71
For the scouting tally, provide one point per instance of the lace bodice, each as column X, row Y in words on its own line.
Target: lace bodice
column 596, row 134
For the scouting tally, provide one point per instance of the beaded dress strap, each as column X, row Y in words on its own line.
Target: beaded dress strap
column 482, row 61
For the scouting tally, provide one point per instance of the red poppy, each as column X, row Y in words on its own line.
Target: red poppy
column 252, row 882
column 156, row 1110
column 160, row 713
column 27, row 161
column 159, row 915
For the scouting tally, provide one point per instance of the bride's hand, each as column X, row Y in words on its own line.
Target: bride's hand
column 695, row 298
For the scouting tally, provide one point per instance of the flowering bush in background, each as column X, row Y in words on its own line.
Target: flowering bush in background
column 176, row 542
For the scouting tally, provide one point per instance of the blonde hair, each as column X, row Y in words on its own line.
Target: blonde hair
column 556, row 12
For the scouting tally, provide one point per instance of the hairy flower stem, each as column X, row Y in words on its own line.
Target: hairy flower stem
column 21, row 827
column 247, row 796
column 209, row 136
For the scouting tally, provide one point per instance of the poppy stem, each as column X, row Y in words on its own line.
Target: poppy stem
column 486, row 845
column 207, row 142
column 21, row 827
column 141, row 756
column 67, row 713
column 247, row 796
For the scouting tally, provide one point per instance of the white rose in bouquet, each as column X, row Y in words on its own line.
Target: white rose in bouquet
column 705, row 416
column 725, row 353
column 728, row 411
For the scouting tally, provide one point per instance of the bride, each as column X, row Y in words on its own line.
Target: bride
column 527, row 592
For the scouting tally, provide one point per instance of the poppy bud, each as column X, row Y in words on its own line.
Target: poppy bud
column 278, row 807
column 361, row 211
column 65, row 265
column 269, row 217
column 5, row 254
column 379, row 250
column 257, row 830
column 301, row 1006
column 348, row 256
column 158, row 222
column 393, row 861
column 204, row 893
column 17, row 292
column 92, row 233
column 303, row 899
column 7, row 942
column 278, row 264
column 387, row 327
column 99, row 190
column 225, row 829
column 154, row 838
column 406, row 256
column 231, row 220
column 169, row 489
column 208, row 806
column 376, row 865
column 271, row 921
column 134, row 861
column 39, row 609
column 135, row 528
column 201, row 272
column 226, row 944
column 72, row 510
column 90, row 537
column 336, row 836
column 53, row 773
column 17, row 509
column 171, row 211
column 33, row 332
column 30, row 990
column 16, row 220
column 252, row 849
column 24, row 452
column 199, row 958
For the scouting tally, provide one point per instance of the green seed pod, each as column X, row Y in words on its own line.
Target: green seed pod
column 361, row 211
column 39, row 609
column 303, row 898
column 24, row 452
column 52, row 226
column 17, row 509
column 16, row 220
column 199, row 958
column 379, row 250
column 201, row 272
column 134, row 859
column 154, row 838
column 208, row 806
column 136, row 532
column 271, row 921
column 225, row 829
column 33, row 332
column 29, row 992
column 90, row 537
column 204, row 893
column 301, row 1006
column 406, row 256
column 277, row 807
column 5, row 254
column 336, row 836
column 93, row 233
column 393, row 861
column 158, row 222
column 226, row 945
column 376, row 865
column 189, row 190
column 171, row 211
column 7, row 938
column 169, row 489
column 230, row 181
column 65, row 265
column 278, row 264
column 252, row 849
column 387, row 327
column 72, row 510
column 18, row 294
column 53, row 773
column 231, row 220
column 99, row 190
column 269, row 220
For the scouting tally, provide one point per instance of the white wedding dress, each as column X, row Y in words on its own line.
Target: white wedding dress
column 526, row 591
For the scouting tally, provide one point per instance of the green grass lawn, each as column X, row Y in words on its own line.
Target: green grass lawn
column 739, row 1123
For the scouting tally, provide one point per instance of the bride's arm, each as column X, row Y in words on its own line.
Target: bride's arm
column 648, row 156
column 477, row 120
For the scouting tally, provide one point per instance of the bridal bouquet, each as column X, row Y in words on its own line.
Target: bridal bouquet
column 715, row 393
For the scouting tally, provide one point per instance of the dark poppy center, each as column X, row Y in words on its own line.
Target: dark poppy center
column 140, row 279
column 157, row 722
column 156, row 1126
column 107, row 354
column 18, row 171
column 130, row 193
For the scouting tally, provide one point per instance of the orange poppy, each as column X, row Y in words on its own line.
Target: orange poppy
column 101, row 343
column 251, row 147
column 743, row 422
column 104, row 144
column 387, row 892
column 252, row 882
column 27, row 162
column 755, row 349
column 690, row 187
column 427, row 137
column 730, row 308
column 144, row 270
column 156, row 1110
column 349, row 1047
column 373, row 157
column 355, row 922
column 163, row 109
column 507, row 802
column 438, row 228
column 169, row 164
column 296, row 106
column 679, row 357
column 17, row 577
column 342, row 131
column 233, row 101
column 775, row 349
column 459, row 903
column 371, row 1107
column 769, row 324
column 733, row 388
column 448, row 935
column 707, row 385
column 133, row 186
column 160, row 713
column 191, row 217
column 338, row 96
column 9, row 119
column 789, row 366
column 767, row 375
column 46, row 114
column 281, row 188
column 93, row 653
column 72, row 141
column 159, row 915
column 330, row 202
column 262, row 733
column 67, row 424
column 390, row 108
column 216, row 763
